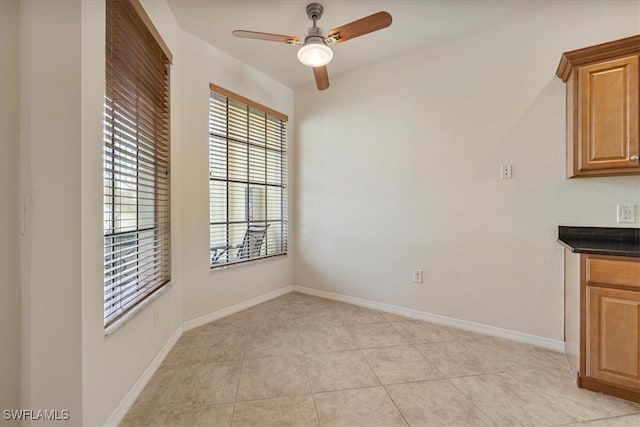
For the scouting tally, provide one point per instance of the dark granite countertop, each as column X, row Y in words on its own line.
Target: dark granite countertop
column 601, row 240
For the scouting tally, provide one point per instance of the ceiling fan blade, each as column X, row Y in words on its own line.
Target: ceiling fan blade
column 322, row 77
column 266, row 36
column 362, row 26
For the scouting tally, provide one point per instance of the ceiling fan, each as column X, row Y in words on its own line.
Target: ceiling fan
column 315, row 52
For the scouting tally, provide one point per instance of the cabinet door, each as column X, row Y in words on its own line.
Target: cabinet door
column 613, row 336
column 608, row 115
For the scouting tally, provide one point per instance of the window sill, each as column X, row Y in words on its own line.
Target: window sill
column 246, row 262
column 130, row 315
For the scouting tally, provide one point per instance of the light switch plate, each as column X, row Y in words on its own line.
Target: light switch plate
column 417, row 276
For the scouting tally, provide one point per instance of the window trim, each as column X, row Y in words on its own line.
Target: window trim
column 153, row 164
column 146, row 20
column 284, row 204
column 231, row 95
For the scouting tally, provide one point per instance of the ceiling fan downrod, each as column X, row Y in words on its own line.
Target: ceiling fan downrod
column 314, row 12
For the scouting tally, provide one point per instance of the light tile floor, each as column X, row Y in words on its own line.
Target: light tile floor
column 300, row 360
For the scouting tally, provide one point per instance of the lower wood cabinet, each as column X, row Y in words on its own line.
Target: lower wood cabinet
column 613, row 336
column 602, row 323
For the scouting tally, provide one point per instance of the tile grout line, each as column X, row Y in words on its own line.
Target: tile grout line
column 298, row 333
column 430, row 362
column 235, row 399
column 233, row 414
column 306, row 373
column 471, row 401
column 315, row 406
column 598, row 419
column 154, row 399
column 384, row 388
column 535, row 391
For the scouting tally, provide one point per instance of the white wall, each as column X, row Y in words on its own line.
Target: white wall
column 398, row 168
column 68, row 362
column 9, row 268
column 112, row 364
column 50, row 179
column 206, row 291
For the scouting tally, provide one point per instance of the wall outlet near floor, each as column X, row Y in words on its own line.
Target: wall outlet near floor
column 626, row 213
column 417, row 276
column 505, row 172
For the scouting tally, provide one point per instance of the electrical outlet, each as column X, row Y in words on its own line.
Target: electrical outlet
column 505, row 172
column 626, row 213
column 417, row 276
column 156, row 318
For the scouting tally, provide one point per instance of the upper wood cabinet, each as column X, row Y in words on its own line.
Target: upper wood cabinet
column 602, row 108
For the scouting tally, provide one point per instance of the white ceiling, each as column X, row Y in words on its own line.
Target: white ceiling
column 415, row 23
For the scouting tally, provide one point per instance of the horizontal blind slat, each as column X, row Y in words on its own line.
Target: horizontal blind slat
column 136, row 162
column 247, row 181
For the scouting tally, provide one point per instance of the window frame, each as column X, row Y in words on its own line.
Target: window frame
column 136, row 161
column 283, row 186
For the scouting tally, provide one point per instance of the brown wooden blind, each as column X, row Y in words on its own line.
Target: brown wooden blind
column 247, row 179
column 136, row 161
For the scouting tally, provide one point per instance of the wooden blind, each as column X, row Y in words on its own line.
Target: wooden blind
column 136, row 161
column 247, row 179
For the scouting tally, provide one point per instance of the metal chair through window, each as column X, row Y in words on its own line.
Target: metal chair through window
column 250, row 247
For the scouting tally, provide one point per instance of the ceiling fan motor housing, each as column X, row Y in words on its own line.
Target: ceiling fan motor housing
column 314, row 35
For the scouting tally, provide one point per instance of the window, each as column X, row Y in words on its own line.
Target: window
column 247, row 179
column 136, row 160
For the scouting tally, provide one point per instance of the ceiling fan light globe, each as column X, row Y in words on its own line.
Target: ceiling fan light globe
column 315, row 54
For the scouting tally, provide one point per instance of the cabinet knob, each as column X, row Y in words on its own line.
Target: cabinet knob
column 634, row 158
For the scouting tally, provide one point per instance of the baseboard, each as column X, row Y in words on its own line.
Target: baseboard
column 550, row 344
column 203, row 320
column 569, row 348
column 123, row 407
column 129, row 399
column 121, row 410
